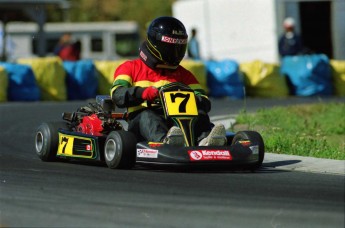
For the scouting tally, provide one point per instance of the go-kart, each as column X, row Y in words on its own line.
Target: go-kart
column 96, row 132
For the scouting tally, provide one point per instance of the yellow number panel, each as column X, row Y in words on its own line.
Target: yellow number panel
column 180, row 103
column 75, row 146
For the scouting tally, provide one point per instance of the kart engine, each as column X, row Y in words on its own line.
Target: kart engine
column 90, row 125
column 95, row 118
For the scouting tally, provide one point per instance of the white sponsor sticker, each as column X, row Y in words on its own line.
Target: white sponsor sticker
column 147, row 153
column 197, row 155
column 171, row 40
column 255, row 149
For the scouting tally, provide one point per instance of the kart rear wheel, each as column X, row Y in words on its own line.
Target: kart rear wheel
column 119, row 150
column 47, row 140
column 256, row 139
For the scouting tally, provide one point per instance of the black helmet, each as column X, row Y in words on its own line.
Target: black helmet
column 167, row 40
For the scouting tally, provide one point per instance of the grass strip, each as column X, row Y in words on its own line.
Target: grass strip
column 314, row 130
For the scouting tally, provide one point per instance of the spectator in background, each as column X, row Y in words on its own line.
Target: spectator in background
column 7, row 47
column 290, row 43
column 67, row 49
column 193, row 46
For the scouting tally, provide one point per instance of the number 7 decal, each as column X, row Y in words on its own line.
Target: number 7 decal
column 182, row 106
column 64, row 140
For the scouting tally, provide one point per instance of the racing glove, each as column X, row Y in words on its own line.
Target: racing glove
column 150, row 93
column 203, row 103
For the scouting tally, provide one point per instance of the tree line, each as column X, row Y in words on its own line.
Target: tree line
column 141, row 11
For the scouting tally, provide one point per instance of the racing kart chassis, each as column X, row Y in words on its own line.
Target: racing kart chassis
column 95, row 133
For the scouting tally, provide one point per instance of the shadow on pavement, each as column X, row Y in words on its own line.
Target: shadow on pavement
column 280, row 163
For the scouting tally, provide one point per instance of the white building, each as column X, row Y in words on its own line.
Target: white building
column 245, row 30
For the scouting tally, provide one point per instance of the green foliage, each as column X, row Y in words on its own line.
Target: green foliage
column 141, row 11
column 316, row 130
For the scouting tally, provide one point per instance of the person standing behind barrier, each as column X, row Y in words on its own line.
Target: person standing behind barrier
column 7, row 47
column 68, row 50
column 193, row 46
column 290, row 43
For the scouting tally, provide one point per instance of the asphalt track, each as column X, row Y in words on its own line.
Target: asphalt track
column 40, row 194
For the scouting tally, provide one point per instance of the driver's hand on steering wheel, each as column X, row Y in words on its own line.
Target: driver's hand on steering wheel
column 150, row 93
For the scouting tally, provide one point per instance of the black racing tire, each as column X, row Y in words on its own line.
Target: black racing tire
column 255, row 138
column 120, row 150
column 47, row 140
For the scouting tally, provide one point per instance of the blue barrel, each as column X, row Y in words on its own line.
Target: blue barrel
column 22, row 84
column 81, row 79
column 224, row 79
column 308, row 75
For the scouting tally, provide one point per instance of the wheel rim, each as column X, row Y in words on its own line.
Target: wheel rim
column 110, row 149
column 39, row 142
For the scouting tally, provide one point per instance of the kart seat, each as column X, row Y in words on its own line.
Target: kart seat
column 106, row 103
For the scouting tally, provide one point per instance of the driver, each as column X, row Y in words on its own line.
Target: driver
column 137, row 81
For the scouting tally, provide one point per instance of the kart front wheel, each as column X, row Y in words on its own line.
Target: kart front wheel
column 255, row 139
column 47, row 140
column 119, row 150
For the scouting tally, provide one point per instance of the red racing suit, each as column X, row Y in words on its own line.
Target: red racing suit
column 130, row 80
